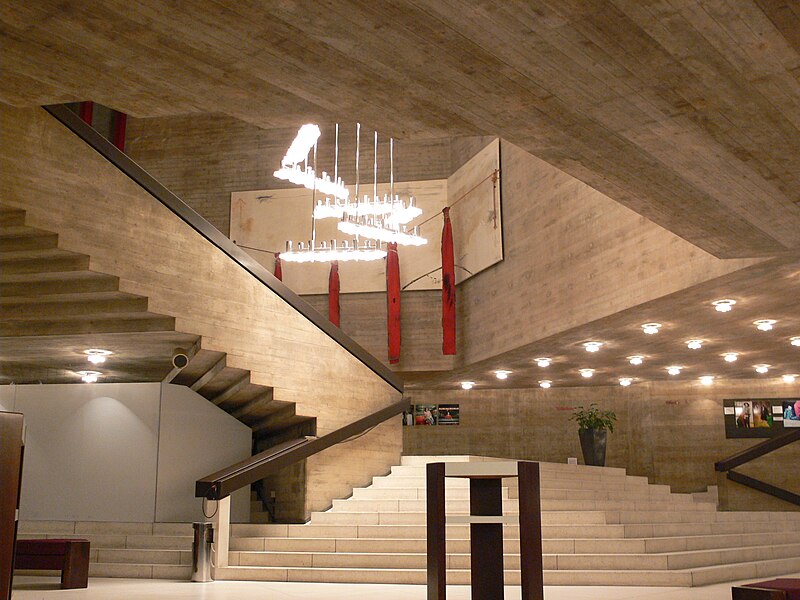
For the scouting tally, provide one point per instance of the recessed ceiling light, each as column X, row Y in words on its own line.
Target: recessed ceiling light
column 467, row 385
column 636, row 360
column 724, row 305
column 651, row 328
column 764, row 324
column 502, row 374
column 545, row 383
column 707, row 379
column 97, row 356
column 587, row 373
column 543, row 361
column 694, row 344
column 795, row 341
column 674, row 370
column 625, row 381
column 89, row 376
column 789, row 378
column 730, row 356
column 761, row 368
column 592, row 346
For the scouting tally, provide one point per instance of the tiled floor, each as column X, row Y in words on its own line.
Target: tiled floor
column 42, row 588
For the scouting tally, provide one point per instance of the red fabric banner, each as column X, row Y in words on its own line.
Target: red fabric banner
column 120, row 124
column 333, row 294
column 393, row 302
column 278, row 268
column 86, row 111
column 448, row 287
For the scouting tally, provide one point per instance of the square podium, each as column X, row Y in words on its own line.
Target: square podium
column 486, row 522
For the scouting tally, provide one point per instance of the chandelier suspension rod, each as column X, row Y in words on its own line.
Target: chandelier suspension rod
column 314, row 203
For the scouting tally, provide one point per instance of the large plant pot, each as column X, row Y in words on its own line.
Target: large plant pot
column 593, row 446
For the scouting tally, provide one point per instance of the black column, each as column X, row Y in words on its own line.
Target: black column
column 486, row 539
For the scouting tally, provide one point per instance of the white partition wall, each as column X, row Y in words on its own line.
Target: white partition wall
column 121, row 452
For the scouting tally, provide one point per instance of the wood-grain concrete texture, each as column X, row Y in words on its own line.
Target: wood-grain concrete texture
column 672, row 433
column 66, row 187
column 686, row 112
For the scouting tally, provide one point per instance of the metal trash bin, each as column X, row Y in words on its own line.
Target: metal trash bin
column 201, row 552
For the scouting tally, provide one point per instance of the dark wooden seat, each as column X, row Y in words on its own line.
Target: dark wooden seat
column 71, row 557
column 775, row 589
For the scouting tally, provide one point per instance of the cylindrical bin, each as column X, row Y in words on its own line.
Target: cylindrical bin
column 201, row 551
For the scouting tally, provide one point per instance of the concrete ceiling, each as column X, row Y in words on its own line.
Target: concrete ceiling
column 686, row 112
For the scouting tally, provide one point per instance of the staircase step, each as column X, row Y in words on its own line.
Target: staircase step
column 41, row 261
column 139, row 556
column 73, row 304
column 11, row 217
column 140, row 571
column 86, row 324
column 69, row 282
column 14, row 238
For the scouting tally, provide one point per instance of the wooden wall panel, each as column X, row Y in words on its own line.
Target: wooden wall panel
column 203, row 158
column 672, row 433
column 572, row 256
column 66, row 187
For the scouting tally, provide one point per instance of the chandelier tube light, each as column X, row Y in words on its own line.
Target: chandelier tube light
column 291, row 169
column 371, row 228
column 306, row 253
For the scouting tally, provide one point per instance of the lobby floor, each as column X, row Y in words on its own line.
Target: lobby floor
column 46, row 588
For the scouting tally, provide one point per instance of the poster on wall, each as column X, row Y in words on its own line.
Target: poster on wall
column 757, row 417
column 449, row 414
column 426, row 414
column 790, row 410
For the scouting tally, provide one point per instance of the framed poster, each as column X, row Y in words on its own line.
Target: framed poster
column 426, row 414
column 449, row 414
column 760, row 417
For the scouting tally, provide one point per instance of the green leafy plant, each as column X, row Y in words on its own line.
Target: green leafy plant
column 594, row 418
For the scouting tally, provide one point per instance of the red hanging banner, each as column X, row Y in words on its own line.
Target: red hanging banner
column 333, row 294
column 448, row 287
column 120, row 124
column 393, row 302
column 278, row 268
column 86, row 111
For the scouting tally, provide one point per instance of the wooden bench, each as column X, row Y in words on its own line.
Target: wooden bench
column 71, row 557
column 775, row 589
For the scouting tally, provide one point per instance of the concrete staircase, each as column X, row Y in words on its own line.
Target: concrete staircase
column 600, row 527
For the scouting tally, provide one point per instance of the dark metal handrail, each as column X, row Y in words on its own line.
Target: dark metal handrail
column 141, row 177
column 226, row 481
column 757, row 451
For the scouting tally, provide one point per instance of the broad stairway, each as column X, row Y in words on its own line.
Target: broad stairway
column 600, row 527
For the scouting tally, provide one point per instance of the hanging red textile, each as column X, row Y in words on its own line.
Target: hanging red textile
column 120, row 124
column 448, row 287
column 333, row 294
column 278, row 268
column 393, row 302
column 86, row 111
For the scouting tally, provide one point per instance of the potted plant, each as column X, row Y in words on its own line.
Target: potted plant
column 593, row 427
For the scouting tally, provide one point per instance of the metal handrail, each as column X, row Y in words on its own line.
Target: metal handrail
column 141, row 177
column 226, row 481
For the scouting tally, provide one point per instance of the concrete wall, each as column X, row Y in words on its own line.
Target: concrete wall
column 672, row 433
column 121, row 452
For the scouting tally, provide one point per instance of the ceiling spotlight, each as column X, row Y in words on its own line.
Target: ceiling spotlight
column 587, row 373
column 707, row 379
column 89, row 376
column 625, row 381
column 97, row 356
column 730, row 356
column 674, row 370
column 592, row 346
column 651, row 328
column 543, row 361
column 467, row 385
column 723, row 305
column 545, row 383
column 764, row 324
column 694, row 344
column 761, row 368
column 789, row 378
column 636, row 360
column 795, row 341
column 502, row 374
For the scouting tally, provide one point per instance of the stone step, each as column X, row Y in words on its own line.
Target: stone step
column 414, row 493
column 11, row 217
column 69, row 282
column 139, row 571
column 138, row 556
column 419, row 518
column 41, row 261
column 14, row 238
